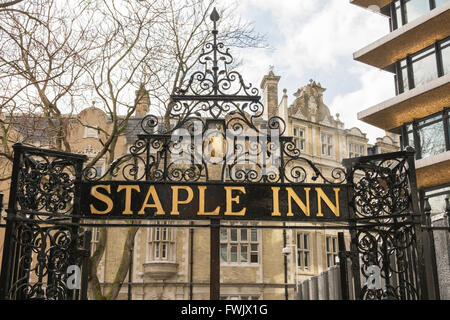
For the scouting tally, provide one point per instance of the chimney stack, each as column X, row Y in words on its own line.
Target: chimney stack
column 269, row 85
column 142, row 101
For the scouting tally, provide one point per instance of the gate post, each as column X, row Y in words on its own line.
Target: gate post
column 349, row 168
column 343, row 267
column 215, row 260
column 8, row 245
column 422, row 276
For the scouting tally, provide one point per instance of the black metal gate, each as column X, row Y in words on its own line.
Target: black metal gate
column 43, row 235
column 386, row 250
column 45, row 252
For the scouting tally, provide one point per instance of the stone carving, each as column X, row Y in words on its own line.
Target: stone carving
column 309, row 104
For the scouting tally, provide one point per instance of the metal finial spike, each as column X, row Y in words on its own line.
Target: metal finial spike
column 214, row 15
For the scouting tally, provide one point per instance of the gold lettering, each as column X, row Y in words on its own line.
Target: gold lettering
column 156, row 204
column 322, row 196
column 201, row 203
column 102, row 197
column 298, row 201
column 176, row 201
column 229, row 205
column 275, row 201
column 128, row 189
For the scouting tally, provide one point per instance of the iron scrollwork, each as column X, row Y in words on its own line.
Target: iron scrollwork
column 215, row 96
column 384, row 229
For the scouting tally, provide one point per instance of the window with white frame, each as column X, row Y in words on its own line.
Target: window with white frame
column 299, row 138
column 161, row 243
column 355, row 150
column 90, row 132
column 95, row 239
column 327, row 144
column 331, row 250
column 303, row 250
column 239, row 246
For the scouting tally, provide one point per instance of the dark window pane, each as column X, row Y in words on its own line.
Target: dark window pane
column 432, row 139
column 424, row 67
column 233, row 234
column 404, row 76
column 416, row 8
column 233, row 254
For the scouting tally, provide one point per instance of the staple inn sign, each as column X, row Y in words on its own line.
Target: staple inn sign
column 139, row 200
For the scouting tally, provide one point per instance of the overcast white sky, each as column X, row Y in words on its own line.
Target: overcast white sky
column 315, row 39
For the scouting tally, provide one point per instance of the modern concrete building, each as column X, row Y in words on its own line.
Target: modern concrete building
column 417, row 53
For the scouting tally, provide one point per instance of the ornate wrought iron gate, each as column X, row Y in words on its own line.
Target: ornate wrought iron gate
column 42, row 240
column 386, row 227
column 43, row 236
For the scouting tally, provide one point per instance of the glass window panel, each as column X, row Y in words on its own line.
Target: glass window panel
column 306, row 259
column 164, row 250
column 223, row 234
column 244, row 253
column 254, row 235
column 156, row 250
column 404, row 76
column 305, row 242
column 233, row 234
column 300, row 259
column 411, row 139
column 436, row 198
column 254, row 257
column 398, row 11
column 409, row 127
column 445, row 51
column 233, row 254
column 424, row 67
column 244, row 233
column 224, row 252
column 432, row 139
column 416, row 8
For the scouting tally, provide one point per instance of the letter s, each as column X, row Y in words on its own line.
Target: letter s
column 102, row 197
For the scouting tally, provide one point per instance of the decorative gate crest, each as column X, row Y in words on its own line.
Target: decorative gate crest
column 216, row 99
